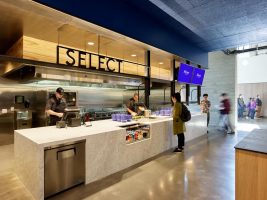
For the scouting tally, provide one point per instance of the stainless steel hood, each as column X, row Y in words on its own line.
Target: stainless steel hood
column 28, row 71
column 85, row 77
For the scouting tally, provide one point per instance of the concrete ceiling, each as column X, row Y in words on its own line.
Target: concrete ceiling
column 218, row 24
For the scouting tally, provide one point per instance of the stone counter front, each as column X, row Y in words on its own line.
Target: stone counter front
column 106, row 148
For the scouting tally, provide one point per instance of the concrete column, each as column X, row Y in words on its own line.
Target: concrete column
column 220, row 78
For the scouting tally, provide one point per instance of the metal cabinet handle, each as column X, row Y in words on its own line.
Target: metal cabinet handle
column 67, row 153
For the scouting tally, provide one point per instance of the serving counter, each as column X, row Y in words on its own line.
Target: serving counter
column 106, row 150
column 251, row 166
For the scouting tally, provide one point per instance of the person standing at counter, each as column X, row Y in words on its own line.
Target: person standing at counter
column 205, row 107
column 132, row 108
column 55, row 106
column 178, row 124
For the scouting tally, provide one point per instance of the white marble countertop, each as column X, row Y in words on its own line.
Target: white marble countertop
column 50, row 135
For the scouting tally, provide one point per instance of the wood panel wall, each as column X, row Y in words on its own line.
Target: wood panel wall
column 41, row 50
column 250, row 175
column 252, row 90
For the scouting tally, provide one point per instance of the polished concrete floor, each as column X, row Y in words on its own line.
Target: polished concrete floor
column 205, row 171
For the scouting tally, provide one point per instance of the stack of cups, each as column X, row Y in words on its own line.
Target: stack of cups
column 129, row 118
column 121, row 117
column 114, row 117
column 118, row 117
column 124, row 117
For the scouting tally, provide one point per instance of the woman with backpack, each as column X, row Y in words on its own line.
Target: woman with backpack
column 178, row 124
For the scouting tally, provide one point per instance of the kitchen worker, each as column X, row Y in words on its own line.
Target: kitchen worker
column 55, row 106
column 132, row 107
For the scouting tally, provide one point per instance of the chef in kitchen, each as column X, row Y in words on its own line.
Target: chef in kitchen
column 55, row 106
column 132, row 105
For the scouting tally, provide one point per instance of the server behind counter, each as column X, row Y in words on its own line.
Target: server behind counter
column 134, row 107
column 55, row 106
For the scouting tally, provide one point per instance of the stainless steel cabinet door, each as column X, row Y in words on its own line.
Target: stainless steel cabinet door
column 64, row 167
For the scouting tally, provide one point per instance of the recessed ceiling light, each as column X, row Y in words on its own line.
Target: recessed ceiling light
column 91, row 43
column 161, row 63
column 133, row 55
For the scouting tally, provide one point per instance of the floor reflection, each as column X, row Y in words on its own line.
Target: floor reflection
column 205, row 171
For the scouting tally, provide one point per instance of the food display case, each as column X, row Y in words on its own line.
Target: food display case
column 136, row 132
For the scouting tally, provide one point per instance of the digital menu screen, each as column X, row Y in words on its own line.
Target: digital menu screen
column 185, row 73
column 198, row 76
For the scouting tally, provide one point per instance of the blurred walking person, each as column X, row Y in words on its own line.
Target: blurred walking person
column 225, row 111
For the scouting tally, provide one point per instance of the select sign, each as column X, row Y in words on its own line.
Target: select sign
column 83, row 59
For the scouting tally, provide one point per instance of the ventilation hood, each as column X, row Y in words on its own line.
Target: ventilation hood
column 34, row 71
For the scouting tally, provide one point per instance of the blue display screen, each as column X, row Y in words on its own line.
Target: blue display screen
column 198, row 76
column 185, row 73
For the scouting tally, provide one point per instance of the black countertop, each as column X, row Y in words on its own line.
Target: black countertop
column 256, row 141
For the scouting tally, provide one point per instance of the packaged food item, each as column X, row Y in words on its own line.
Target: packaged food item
column 140, row 136
column 136, row 133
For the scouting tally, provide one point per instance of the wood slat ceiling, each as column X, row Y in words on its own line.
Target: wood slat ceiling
column 32, row 19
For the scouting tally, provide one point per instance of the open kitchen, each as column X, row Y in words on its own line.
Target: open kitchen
column 99, row 71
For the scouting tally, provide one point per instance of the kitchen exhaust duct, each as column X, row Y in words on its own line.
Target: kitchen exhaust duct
column 30, row 74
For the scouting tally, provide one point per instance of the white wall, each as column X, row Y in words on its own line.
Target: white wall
column 252, row 76
column 251, row 68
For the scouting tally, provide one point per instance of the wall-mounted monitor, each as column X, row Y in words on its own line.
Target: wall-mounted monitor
column 185, row 73
column 198, row 76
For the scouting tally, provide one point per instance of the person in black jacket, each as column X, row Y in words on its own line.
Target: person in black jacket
column 55, row 106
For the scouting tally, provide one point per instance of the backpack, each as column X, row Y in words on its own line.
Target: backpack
column 185, row 115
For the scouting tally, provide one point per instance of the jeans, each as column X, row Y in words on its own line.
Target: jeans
column 226, row 122
column 252, row 113
column 240, row 112
column 249, row 110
